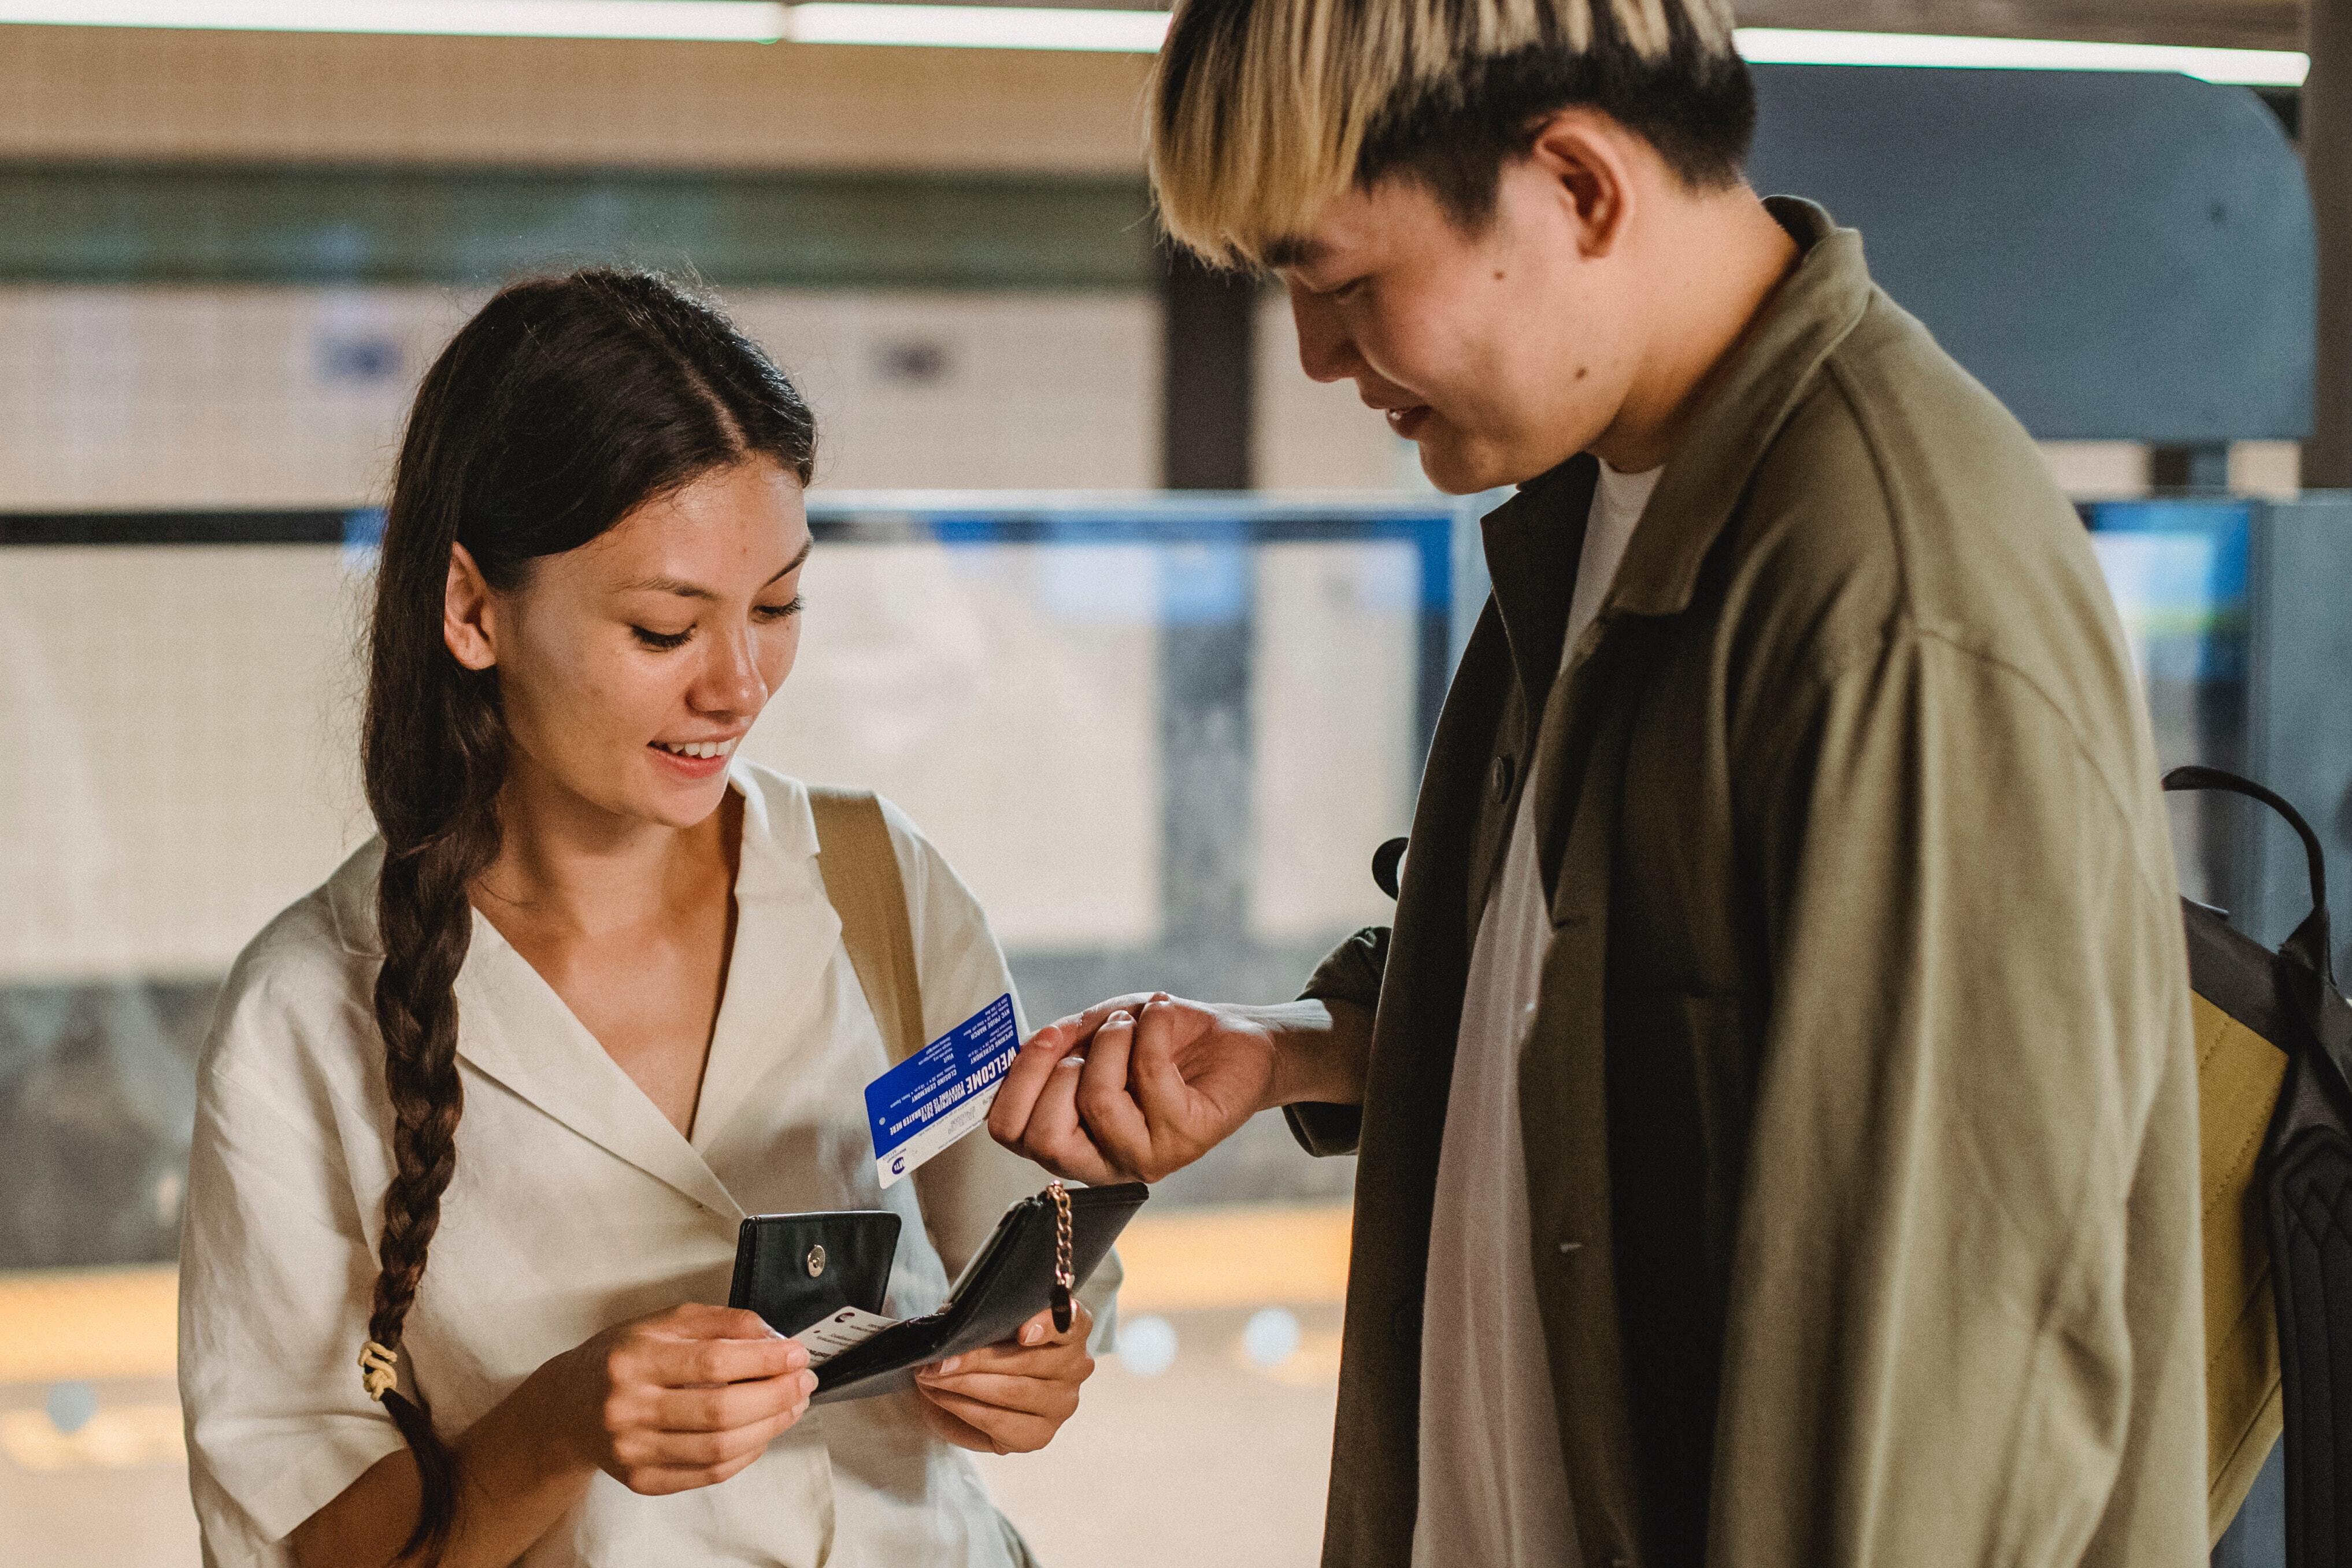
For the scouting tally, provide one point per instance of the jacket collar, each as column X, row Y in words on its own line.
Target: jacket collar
column 1534, row 539
column 1736, row 420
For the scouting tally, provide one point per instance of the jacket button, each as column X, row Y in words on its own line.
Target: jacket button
column 1498, row 778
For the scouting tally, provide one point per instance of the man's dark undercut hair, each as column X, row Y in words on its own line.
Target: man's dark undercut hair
column 1263, row 110
column 1698, row 111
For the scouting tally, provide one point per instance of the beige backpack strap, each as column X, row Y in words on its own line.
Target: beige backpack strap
column 962, row 1190
column 861, row 877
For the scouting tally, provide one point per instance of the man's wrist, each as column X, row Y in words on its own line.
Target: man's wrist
column 1316, row 1059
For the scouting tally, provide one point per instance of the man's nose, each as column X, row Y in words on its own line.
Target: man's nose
column 1325, row 351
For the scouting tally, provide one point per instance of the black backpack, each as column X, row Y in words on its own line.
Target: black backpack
column 2280, row 1208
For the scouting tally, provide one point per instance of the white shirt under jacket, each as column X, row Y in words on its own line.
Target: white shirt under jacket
column 575, row 1206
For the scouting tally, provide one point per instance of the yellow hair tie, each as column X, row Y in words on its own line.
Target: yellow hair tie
column 377, row 1370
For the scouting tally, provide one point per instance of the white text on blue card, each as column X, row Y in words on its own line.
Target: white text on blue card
column 943, row 1092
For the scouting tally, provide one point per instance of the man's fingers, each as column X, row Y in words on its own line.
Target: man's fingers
column 1017, row 1095
column 1026, row 1080
column 1078, row 1030
column 1055, row 1138
column 1068, row 1148
column 1154, row 1078
column 1109, row 1114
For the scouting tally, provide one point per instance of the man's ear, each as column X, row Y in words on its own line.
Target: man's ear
column 1586, row 153
column 466, row 612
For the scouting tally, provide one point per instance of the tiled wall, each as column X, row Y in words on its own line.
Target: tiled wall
column 292, row 396
column 197, row 704
column 1316, row 436
column 178, row 762
column 285, row 396
column 186, row 718
column 162, row 94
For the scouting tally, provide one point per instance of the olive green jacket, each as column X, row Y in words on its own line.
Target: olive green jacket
column 1859, row 1109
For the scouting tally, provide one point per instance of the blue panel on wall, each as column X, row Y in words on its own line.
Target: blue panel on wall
column 2119, row 256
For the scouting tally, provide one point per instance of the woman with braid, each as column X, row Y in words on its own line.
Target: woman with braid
column 485, row 1111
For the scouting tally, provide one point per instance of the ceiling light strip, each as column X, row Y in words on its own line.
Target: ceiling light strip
column 1054, row 27
column 709, row 21
column 2252, row 67
column 978, row 26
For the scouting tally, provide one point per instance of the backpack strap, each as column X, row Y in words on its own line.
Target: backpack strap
column 963, row 1190
column 2310, row 942
column 861, row 878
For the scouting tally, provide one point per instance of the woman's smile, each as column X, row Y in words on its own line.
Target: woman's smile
column 695, row 760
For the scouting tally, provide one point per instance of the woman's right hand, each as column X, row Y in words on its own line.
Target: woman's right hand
column 683, row 1398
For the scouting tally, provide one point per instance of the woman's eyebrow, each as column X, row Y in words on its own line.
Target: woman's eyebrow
column 799, row 559
column 685, row 589
column 668, row 585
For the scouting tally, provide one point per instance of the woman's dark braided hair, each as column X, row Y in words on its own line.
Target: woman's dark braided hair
column 566, row 403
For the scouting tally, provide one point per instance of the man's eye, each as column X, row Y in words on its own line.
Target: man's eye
column 662, row 641
column 781, row 612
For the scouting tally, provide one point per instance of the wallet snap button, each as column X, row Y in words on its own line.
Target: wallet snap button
column 815, row 1261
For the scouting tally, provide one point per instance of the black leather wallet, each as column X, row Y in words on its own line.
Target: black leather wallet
column 793, row 1269
column 1007, row 1283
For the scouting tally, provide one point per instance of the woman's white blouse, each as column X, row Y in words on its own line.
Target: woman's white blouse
column 576, row 1204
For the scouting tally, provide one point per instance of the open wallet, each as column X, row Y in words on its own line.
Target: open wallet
column 794, row 1268
column 1043, row 1249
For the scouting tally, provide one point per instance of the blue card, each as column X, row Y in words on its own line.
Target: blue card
column 943, row 1092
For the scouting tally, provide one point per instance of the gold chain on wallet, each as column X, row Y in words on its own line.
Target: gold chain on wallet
column 1064, row 1276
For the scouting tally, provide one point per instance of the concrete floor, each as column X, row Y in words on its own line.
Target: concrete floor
column 1124, row 1484
column 1215, row 1460
column 1218, row 1457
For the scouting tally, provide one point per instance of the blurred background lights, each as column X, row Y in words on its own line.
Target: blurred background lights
column 1271, row 1337
column 1147, row 1345
column 71, row 1406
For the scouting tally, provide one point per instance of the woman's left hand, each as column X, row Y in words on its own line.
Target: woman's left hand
column 1009, row 1398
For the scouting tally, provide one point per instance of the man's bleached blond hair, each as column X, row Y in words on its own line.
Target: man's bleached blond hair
column 1262, row 111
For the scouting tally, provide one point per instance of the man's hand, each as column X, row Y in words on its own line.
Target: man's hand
column 1135, row 1088
column 1009, row 1398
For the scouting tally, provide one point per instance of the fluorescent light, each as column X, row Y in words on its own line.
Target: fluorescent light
column 978, row 26
column 721, row 21
column 746, row 21
column 2250, row 67
column 1053, row 28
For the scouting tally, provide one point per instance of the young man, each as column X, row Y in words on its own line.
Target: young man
column 1775, row 1099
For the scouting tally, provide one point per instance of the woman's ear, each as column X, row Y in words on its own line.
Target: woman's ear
column 1585, row 153
column 466, row 612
